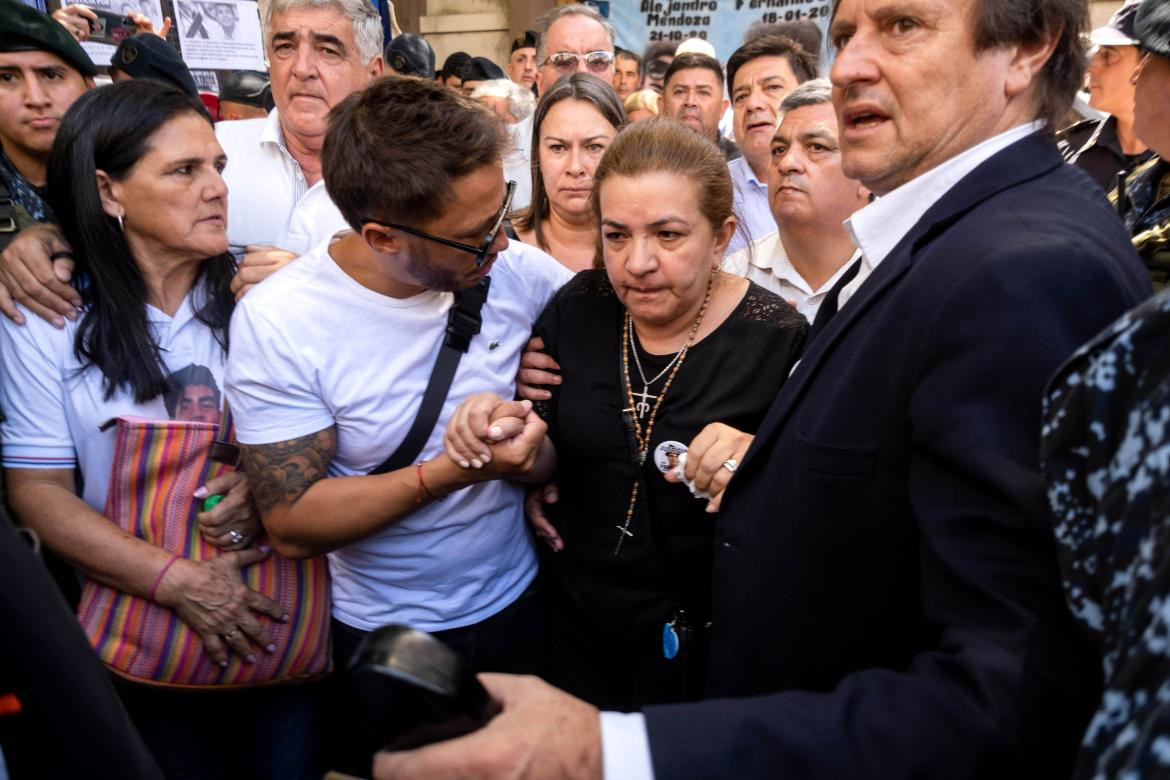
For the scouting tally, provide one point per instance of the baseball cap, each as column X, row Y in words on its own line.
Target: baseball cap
column 1119, row 30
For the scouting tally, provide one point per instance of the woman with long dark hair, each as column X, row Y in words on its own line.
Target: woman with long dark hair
column 575, row 122
column 134, row 179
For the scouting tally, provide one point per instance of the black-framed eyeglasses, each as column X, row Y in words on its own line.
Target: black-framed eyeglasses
column 566, row 61
column 482, row 251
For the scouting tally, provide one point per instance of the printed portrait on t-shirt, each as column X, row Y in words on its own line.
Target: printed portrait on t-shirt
column 194, row 396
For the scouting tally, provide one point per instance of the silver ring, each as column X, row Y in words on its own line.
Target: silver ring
column 232, row 634
column 238, row 537
column 731, row 464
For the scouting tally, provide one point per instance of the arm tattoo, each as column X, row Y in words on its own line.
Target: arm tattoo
column 280, row 473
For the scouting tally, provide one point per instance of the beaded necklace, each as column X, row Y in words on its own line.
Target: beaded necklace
column 642, row 438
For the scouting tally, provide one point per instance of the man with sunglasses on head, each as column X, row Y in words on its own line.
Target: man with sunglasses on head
column 571, row 39
column 330, row 365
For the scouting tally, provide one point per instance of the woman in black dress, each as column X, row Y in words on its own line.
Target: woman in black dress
column 661, row 354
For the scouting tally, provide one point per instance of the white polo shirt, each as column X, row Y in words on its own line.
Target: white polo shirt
column 312, row 348
column 767, row 265
column 269, row 198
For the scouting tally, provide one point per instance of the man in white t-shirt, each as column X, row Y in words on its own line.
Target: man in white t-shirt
column 810, row 198
column 329, row 362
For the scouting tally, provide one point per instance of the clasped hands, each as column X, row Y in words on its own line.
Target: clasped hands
column 496, row 437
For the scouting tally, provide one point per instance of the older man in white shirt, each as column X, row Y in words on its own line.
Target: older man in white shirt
column 278, row 208
column 810, row 198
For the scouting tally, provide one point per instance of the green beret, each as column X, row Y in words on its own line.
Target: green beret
column 525, row 41
column 23, row 28
column 1153, row 27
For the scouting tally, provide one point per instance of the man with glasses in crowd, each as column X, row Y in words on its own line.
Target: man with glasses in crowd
column 571, row 39
column 568, row 39
column 330, row 365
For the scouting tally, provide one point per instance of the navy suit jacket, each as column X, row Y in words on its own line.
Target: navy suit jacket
column 886, row 594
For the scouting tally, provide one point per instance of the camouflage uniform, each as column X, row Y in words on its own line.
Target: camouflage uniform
column 1144, row 205
column 21, row 204
column 1105, row 462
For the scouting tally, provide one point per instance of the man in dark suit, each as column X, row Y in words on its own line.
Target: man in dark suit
column 886, row 595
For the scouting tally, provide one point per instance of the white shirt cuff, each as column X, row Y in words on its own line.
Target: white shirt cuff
column 625, row 748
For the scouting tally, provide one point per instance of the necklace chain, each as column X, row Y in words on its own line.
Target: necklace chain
column 638, row 363
column 643, row 439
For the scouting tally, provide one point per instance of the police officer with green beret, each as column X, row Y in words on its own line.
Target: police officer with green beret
column 1144, row 201
column 147, row 56
column 42, row 71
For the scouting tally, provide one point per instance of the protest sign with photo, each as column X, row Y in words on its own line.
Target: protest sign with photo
column 220, row 34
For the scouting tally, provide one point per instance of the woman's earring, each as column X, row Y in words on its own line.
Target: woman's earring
column 120, row 227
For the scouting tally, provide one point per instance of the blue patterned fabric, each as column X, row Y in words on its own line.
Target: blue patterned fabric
column 1146, row 209
column 1106, row 455
column 22, row 192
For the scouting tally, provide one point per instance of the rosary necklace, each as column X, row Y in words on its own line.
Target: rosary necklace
column 632, row 414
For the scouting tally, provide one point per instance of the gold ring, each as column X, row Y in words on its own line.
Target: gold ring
column 232, row 634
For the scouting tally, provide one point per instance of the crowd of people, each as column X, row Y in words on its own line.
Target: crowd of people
column 796, row 411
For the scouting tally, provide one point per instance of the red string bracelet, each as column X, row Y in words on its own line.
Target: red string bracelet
column 422, row 486
column 162, row 573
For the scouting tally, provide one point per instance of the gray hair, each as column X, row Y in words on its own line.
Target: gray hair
column 521, row 101
column 560, row 12
column 367, row 23
column 814, row 92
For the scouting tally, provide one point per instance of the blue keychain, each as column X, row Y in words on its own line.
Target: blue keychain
column 670, row 643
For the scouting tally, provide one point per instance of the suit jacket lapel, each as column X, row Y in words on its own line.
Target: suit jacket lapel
column 1024, row 160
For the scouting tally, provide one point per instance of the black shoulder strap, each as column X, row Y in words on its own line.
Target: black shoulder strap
column 463, row 322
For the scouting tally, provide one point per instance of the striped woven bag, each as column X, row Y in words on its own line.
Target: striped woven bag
column 158, row 465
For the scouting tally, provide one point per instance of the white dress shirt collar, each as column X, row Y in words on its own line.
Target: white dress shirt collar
column 879, row 227
column 271, row 132
column 770, row 256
